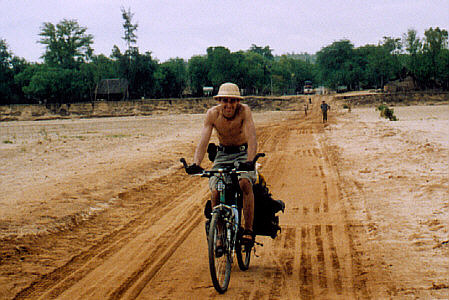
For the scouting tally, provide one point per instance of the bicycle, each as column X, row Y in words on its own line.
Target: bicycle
column 225, row 226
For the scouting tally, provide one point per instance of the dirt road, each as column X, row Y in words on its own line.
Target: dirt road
column 148, row 241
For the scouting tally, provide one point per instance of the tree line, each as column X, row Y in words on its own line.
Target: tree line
column 70, row 70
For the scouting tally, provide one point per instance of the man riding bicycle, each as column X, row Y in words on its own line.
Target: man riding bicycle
column 236, row 132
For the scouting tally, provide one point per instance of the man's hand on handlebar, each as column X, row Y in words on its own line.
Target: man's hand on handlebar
column 194, row 169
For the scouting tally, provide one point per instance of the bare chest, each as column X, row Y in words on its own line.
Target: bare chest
column 230, row 132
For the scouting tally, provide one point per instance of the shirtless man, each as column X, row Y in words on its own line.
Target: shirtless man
column 234, row 125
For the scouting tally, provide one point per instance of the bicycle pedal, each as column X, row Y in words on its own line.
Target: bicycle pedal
column 255, row 254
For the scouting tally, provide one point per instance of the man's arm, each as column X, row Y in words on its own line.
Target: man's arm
column 206, row 133
column 250, row 132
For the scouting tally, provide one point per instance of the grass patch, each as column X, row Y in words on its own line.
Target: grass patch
column 117, row 135
column 44, row 133
column 387, row 112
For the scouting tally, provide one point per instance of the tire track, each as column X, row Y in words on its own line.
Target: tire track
column 334, row 260
column 305, row 271
column 134, row 284
column 322, row 278
column 55, row 283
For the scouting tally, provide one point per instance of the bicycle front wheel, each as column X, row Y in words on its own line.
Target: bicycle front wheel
column 220, row 259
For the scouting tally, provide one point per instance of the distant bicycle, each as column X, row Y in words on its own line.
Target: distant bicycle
column 225, row 227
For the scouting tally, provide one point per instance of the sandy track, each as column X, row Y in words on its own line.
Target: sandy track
column 162, row 253
column 150, row 242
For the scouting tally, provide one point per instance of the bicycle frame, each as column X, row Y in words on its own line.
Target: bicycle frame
column 229, row 211
column 225, row 218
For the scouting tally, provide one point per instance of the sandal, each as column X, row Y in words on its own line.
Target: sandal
column 247, row 238
column 219, row 249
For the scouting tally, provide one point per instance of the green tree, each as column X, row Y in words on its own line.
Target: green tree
column 198, row 71
column 140, row 74
column 139, row 69
column 6, row 73
column 390, row 66
column 333, row 63
column 220, row 64
column 444, row 59
column 254, row 67
column 10, row 66
column 67, row 44
column 171, row 78
column 50, row 84
column 411, row 42
column 103, row 68
column 285, row 75
column 434, row 43
column 266, row 52
column 239, row 70
column 413, row 46
column 391, row 45
column 45, row 84
column 130, row 36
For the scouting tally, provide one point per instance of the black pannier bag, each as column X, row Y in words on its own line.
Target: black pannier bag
column 265, row 208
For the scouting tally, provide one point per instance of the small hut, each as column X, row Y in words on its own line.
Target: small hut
column 400, row 85
column 112, row 89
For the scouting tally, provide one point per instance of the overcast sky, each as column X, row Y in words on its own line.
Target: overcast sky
column 185, row 28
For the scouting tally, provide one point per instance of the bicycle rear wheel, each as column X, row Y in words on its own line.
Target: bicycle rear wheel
column 219, row 265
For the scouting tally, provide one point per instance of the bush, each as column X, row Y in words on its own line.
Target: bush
column 387, row 112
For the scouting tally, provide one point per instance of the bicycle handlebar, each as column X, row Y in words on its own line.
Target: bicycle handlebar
column 210, row 173
column 184, row 163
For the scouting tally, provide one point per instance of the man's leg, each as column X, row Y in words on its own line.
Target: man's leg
column 248, row 203
column 214, row 198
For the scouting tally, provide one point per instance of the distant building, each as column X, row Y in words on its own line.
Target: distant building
column 322, row 90
column 112, row 89
column 207, row 91
column 342, row 89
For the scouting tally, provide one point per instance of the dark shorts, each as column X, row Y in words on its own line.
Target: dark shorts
column 227, row 158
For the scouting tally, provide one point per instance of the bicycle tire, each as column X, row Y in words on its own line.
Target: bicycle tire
column 243, row 254
column 220, row 267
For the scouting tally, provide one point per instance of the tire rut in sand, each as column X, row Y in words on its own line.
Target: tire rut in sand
column 81, row 265
column 302, row 174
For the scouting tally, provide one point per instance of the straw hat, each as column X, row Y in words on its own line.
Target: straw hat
column 228, row 90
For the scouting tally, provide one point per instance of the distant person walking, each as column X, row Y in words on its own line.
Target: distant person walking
column 306, row 107
column 324, row 108
column 310, row 100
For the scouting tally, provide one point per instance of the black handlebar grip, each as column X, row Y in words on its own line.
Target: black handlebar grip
column 257, row 157
column 184, row 163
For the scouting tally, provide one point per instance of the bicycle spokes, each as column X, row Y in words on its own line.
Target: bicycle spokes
column 219, row 254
